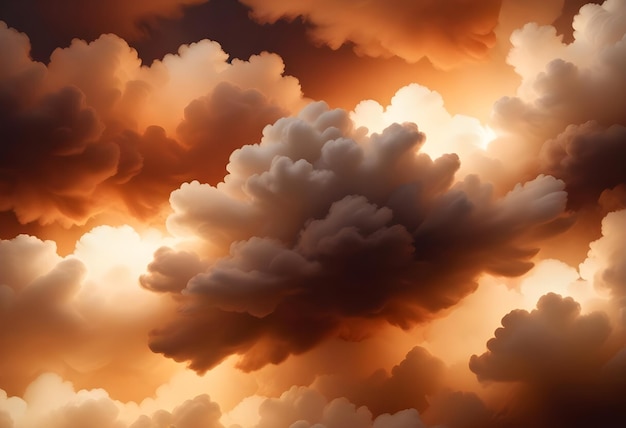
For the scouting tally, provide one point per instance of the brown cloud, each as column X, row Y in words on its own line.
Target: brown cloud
column 330, row 230
column 446, row 32
column 78, row 138
column 562, row 362
column 407, row 386
column 588, row 158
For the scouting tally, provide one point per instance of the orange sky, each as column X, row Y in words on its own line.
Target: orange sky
column 316, row 214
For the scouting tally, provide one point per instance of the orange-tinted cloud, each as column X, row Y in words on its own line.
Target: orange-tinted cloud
column 306, row 408
column 65, row 313
column 564, row 86
column 78, row 138
column 318, row 234
column 445, row 32
column 407, row 386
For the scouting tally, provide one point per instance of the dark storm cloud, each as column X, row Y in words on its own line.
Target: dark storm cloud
column 566, row 370
column 326, row 232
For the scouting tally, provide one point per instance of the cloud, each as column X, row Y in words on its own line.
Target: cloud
column 197, row 412
column 457, row 409
column 31, row 183
column 50, row 401
column 299, row 256
column 605, row 264
column 446, row 33
column 445, row 133
column 324, row 230
column 565, row 114
column 587, row 158
column 306, row 408
column 554, row 342
column 69, row 315
column 409, row 385
column 95, row 132
column 127, row 19
column 560, row 360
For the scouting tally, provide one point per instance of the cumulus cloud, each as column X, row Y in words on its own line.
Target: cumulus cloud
column 562, row 362
column 306, row 408
column 197, row 412
column 128, row 19
column 66, row 314
column 335, row 227
column 331, row 230
column 605, row 264
column 445, row 32
column 409, row 385
column 588, row 158
column 94, row 131
column 50, row 401
column 445, row 133
column 545, row 344
column 566, row 115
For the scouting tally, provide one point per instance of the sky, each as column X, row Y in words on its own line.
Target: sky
column 313, row 214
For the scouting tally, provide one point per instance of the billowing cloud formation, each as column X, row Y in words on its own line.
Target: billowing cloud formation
column 446, row 32
column 588, row 158
column 408, row 385
column 566, row 119
column 77, row 138
column 320, row 241
column 462, row 135
column 331, row 230
column 66, row 313
column 568, row 371
column 544, row 344
column 306, row 408
column 197, row 412
column 50, row 402
column 605, row 264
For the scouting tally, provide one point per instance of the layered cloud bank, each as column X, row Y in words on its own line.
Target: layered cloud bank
column 312, row 266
